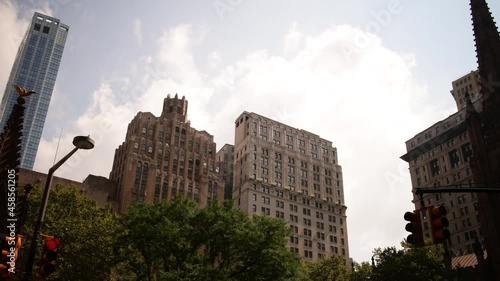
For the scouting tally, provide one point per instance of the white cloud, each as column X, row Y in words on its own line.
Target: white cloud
column 103, row 121
column 213, row 59
column 292, row 38
column 137, row 28
column 362, row 99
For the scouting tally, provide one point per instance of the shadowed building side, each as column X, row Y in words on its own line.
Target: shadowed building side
column 225, row 160
column 441, row 156
column 484, row 129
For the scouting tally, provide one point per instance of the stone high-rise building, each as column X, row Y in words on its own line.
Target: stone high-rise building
column 35, row 68
column 468, row 84
column 164, row 157
column 225, row 158
column 440, row 156
column 291, row 174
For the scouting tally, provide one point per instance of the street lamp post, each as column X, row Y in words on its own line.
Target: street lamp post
column 80, row 142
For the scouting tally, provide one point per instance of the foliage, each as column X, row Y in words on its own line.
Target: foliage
column 412, row 264
column 328, row 269
column 176, row 240
column 361, row 272
column 84, row 229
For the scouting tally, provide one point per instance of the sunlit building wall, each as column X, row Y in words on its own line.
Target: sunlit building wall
column 294, row 175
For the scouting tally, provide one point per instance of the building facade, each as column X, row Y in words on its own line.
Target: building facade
column 35, row 68
column 291, row 174
column 164, row 157
column 468, row 84
column 225, row 160
column 440, row 156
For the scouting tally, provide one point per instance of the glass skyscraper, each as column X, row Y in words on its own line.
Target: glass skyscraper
column 35, row 68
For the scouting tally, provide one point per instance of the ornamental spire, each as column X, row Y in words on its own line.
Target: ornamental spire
column 487, row 42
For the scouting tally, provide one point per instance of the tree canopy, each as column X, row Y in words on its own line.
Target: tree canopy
column 412, row 264
column 176, row 240
column 84, row 229
column 328, row 269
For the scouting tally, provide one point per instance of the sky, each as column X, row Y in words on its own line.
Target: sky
column 367, row 75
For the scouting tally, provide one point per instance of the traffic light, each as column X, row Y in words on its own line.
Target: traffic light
column 49, row 256
column 10, row 252
column 438, row 224
column 415, row 227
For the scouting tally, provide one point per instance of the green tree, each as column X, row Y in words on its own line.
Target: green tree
column 412, row 264
column 176, row 240
column 361, row 272
column 153, row 239
column 328, row 269
column 84, row 229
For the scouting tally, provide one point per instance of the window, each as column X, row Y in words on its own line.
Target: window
column 280, row 204
column 46, row 29
column 454, row 159
column 466, row 152
column 434, row 167
column 263, row 160
column 37, row 26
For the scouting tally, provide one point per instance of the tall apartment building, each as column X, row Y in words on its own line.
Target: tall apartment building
column 291, row 174
column 164, row 157
column 469, row 83
column 35, row 68
column 440, row 156
column 225, row 160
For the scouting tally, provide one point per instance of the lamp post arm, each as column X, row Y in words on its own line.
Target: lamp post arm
column 41, row 215
column 60, row 162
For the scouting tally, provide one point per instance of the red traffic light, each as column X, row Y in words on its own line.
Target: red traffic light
column 49, row 256
column 52, row 244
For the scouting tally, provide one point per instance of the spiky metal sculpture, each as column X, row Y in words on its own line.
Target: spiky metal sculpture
column 10, row 154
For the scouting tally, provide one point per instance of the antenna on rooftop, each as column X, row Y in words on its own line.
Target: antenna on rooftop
column 57, row 149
